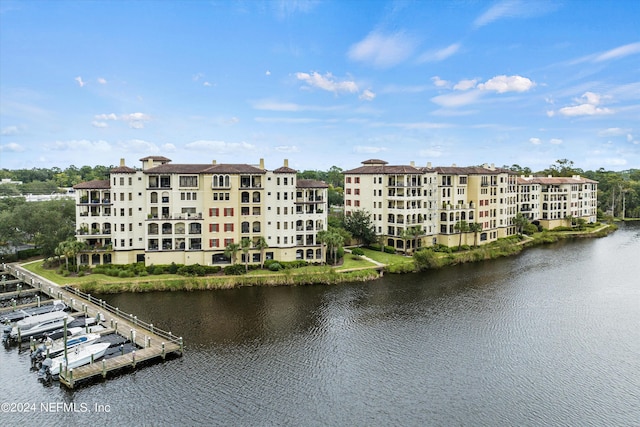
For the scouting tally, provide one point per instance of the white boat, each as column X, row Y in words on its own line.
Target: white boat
column 39, row 324
column 79, row 356
column 54, row 348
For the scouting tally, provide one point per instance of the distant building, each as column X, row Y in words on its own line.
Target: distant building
column 402, row 198
column 189, row 213
column 550, row 200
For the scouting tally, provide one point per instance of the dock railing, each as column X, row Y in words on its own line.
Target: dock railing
column 126, row 316
column 53, row 290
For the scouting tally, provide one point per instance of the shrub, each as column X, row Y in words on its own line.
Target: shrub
column 234, row 270
column 274, row 266
column 357, row 251
column 390, row 249
column 374, row 247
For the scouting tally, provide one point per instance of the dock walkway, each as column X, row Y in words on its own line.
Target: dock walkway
column 153, row 343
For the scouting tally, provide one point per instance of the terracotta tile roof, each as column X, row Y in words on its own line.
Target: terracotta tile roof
column 284, row 169
column 204, row 168
column 99, row 184
column 311, row 183
column 122, row 169
column 555, row 180
column 470, row 170
column 380, row 169
column 159, row 158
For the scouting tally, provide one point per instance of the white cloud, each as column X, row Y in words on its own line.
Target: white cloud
column 438, row 82
column 102, row 80
column 361, row 149
column 367, row 95
column 287, row 149
column 12, row 147
column 613, row 132
column 457, row 99
column 168, row 148
column 619, row 52
column 588, row 107
column 555, row 141
column 10, row 130
column 535, row 141
column 85, row 145
column 80, row 82
column 514, row 9
column 221, row 147
column 382, row 50
column 207, row 84
column 97, row 124
column 629, row 137
column 441, row 54
column 502, row 84
column 140, row 146
column 110, row 116
column 465, row 84
column 267, row 73
column 136, row 120
column 327, row 82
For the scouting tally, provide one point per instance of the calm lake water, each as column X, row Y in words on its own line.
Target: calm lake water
column 550, row 337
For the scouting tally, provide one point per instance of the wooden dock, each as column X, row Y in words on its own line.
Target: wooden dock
column 152, row 343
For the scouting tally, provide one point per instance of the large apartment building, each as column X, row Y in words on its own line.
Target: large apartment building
column 188, row 213
column 435, row 199
column 550, row 200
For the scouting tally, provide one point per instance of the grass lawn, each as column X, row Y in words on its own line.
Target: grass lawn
column 388, row 259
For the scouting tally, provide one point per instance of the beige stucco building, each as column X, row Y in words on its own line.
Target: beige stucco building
column 188, row 213
column 436, row 200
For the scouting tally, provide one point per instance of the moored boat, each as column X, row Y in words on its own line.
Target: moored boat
column 34, row 326
column 80, row 356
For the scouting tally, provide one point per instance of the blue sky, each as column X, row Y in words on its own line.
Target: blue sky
column 320, row 83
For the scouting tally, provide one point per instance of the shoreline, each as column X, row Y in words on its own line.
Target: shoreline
column 331, row 275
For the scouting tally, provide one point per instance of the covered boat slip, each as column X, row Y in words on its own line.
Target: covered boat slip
column 151, row 342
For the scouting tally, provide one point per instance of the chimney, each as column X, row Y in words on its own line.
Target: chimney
column 493, row 166
column 453, row 165
column 286, row 163
column 122, row 162
column 429, row 165
column 213, row 162
column 262, row 164
column 413, row 164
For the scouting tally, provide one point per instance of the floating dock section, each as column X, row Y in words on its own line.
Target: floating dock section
column 152, row 343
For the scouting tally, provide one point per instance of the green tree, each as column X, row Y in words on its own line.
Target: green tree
column 245, row 245
column 261, row 244
column 231, row 251
column 520, row 221
column 360, row 226
column 475, row 228
column 461, row 227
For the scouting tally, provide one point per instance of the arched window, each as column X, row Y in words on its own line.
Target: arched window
column 309, row 253
column 154, row 197
column 299, row 254
column 152, row 228
column 245, row 197
column 256, row 197
column 256, row 226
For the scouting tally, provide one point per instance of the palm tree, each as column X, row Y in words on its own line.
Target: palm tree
column 461, row 227
column 405, row 235
column 231, row 250
column 520, row 221
column 261, row 244
column 246, row 246
column 415, row 232
column 322, row 238
column 475, row 228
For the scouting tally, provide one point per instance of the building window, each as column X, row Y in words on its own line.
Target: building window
column 188, row 181
column 228, row 227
